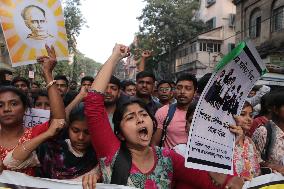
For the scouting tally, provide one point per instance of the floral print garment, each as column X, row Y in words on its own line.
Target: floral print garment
column 276, row 150
column 159, row 177
column 27, row 135
column 4, row 151
column 246, row 160
column 58, row 162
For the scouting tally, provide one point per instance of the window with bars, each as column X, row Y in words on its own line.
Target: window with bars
column 278, row 19
column 210, row 47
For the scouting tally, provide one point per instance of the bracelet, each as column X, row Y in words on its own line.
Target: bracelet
column 97, row 92
column 50, row 84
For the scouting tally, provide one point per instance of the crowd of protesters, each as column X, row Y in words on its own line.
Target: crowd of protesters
column 115, row 132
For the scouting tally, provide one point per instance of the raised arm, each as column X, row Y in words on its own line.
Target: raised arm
column 145, row 54
column 103, row 138
column 256, row 99
column 104, row 75
column 77, row 100
column 56, row 103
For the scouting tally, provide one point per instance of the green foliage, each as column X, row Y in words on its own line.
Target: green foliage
column 84, row 65
column 74, row 21
column 167, row 23
column 72, row 71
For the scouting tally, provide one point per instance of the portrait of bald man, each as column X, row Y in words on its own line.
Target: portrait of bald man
column 35, row 20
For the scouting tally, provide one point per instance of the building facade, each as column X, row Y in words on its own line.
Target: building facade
column 200, row 54
column 262, row 21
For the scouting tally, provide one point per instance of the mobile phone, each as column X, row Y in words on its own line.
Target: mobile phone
column 265, row 170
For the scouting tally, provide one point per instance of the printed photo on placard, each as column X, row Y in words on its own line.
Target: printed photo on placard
column 210, row 144
column 30, row 24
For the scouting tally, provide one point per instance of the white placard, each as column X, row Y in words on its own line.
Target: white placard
column 269, row 181
column 31, row 74
column 30, row 24
column 210, row 144
column 35, row 116
column 22, row 181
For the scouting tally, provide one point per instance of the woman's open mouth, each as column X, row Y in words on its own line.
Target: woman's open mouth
column 143, row 133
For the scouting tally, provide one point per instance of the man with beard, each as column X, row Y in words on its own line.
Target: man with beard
column 62, row 84
column 112, row 94
column 175, row 134
column 165, row 92
column 144, row 89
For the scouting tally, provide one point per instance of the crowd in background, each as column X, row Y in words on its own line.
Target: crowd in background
column 113, row 131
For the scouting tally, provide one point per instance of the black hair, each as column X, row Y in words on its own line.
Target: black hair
column 114, row 80
column 266, row 104
column 16, row 79
column 121, row 109
column 188, row 77
column 278, row 102
column 40, row 93
column 191, row 109
column 87, row 78
column 127, row 83
column 23, row 97
column 165, row 81
column 3, row 80
column 203, row 82
column 36, row 83
column 123, row 162
column 278, row 98
column 77, row 113
column 62, row 77
column 255, row 88
column 247, row 104
column 145, row 74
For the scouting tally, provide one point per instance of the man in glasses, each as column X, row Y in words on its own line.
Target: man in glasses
column 175, row 134
column 165, row 92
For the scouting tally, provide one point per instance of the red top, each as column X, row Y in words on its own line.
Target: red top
column 167, row 162
column 28, row 135
column 262, row 120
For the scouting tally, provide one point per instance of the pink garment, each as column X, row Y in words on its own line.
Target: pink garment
column 176, row 133
column 167, row 171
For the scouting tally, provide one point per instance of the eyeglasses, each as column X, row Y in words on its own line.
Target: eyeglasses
column 166, row 89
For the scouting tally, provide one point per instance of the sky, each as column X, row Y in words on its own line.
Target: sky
column 110, row 22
